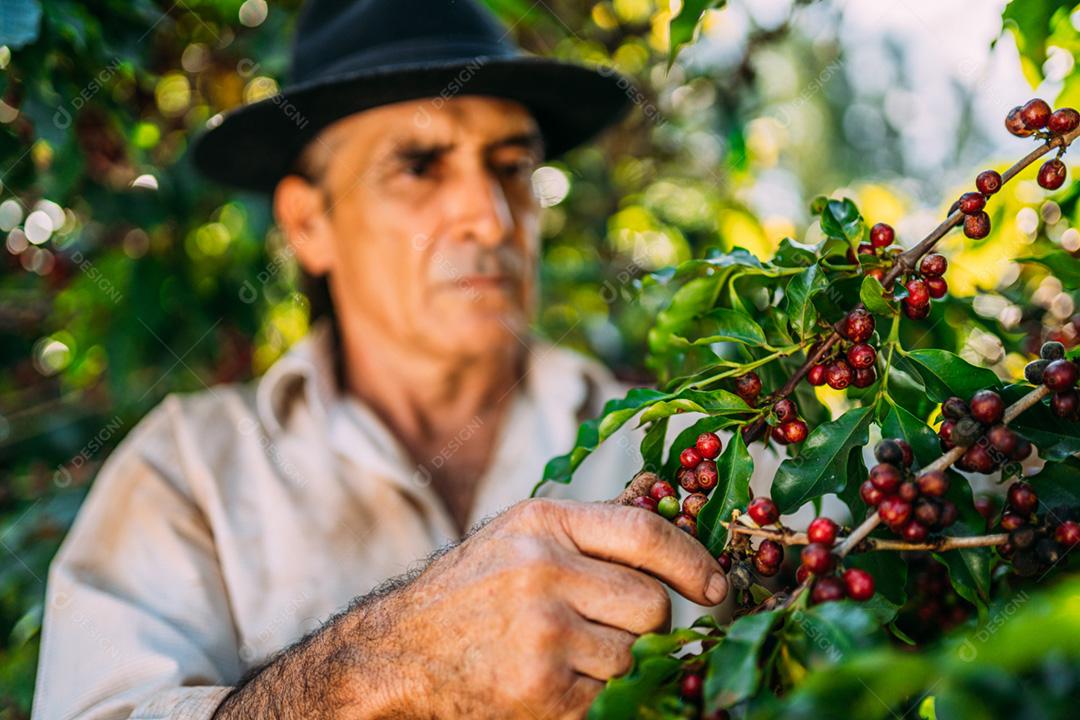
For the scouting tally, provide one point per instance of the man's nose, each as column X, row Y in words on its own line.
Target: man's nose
column 484, row 210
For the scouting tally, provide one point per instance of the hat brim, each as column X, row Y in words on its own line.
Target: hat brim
column 256, row 145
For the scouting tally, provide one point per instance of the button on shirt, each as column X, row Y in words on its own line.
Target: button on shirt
column 233, row 521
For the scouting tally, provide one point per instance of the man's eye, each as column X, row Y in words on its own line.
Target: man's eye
column 419, row 168
column 516, row 169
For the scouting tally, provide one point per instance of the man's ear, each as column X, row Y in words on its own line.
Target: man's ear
column 300, row 211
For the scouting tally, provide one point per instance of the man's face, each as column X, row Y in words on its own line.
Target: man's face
column 434, row 222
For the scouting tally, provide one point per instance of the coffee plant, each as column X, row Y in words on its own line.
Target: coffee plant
column 929, row 597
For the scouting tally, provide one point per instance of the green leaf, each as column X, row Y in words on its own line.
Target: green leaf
column 790, row 255
column 20, row 22
column 841, row 219
column 1056, row 439
column 872, row 295
column 726, row 325
column 899, row 423
column 1058, row 484
column 797, row 296
column 1061, row 263
column 945, row 374
column 1032, row 23
column 734, row 468
column 969, row 568
column 832, row 631
column 821, row 466
column 734, row 673
column 707, row 402
column 889, row 571
column 681, row 27
column 652, row 446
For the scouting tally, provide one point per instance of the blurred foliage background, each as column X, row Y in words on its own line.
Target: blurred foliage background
column 125, row 276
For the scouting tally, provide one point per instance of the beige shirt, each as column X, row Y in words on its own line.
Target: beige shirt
column 233, row 521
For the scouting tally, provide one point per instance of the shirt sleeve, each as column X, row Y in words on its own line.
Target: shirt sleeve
column 137, row 620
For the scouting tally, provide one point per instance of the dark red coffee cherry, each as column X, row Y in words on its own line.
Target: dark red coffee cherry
column 801, row 574
column 823, row 531
column 918, row 294
column 945, row 432
column 978, row 459
column 972, row 202
column 888, row 451
column 691, row 686
column 661, row 489
column 894, row 511
column 686, row 523
column 1002, row 439
column 1023, row 498
column 934, row 483
column 816, row 375
column 689, row 458
column 708, row 445
column 949, row 513
column 770, row 552
column 870, row 494
column 785, row 410
column 724, row 559
column 1060, row 375
column 858, row 584
column 987, row 407
column 1023, row 449
column 977, row 225
column 817, row 558
column 827, row 589
column 763, row 511
column 934, row 265
column 707, row 476
column 793, row 431
column 692, row 504
column 1052, row 174
column 1066, row 405
column 885, row 478
column 954, row 408
column 644, row 502
column 1063, row 121
column 908, row 491
column 1015, row 124
column 687, row 478
column 914, row 531
column 915, row 312
column 1068, row 533
column 861, row 355
column 882, row 235
column 838, row 374
column 864, row 377
column 905, row 452
column 748, row 387
column 1035, row 113
column 937, row 287
column 988, row 182
column 926, row 512
column 1011, row 521
column 858, row 325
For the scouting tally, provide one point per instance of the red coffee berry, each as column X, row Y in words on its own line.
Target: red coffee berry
column 926, row 512
column 1011, row 521
column 1052, row 174
column 763, row 568
column 1002, row 439
column 644, row 502
column 686, row 523
column 885, row 478
column 692, row 504
column 688, row 481
column 816, row 375
column 691, row 686
column 977, row 225
column 823, row 531
column 770, row 552
column 1063, row 121
column 888, row 451
column 858, row 325
column 988, row 182
column 1066, row 404
column 827, row 589
column 861, row 355
column 778, row 435
column 707, row 476
column 785, row 410
column 724, row 559
column 1060, row 375
column 763, row 511
column 1023, row 449
column 913, row 531
column 838, row 374
column 937, row 287
column 915, row 312
column 817, row 558
column 954, row 408
column 794, row 431
column 1015, row 124
column 668, row 507
column 918, row 294
column 748, row 387
column 689, row 458
column 949, row 513
column 907, row 456
column 708, row 445
column 1023, row 498
column 934, row 483
column 862, row 249
column 987, row 407
column 858, row 584
column 870, row 494
column 864, row 377
column 801, row 574
column 876, row 273
column 978, row 459
column 894, row 511
column 972, row 202
column 661, row 489
column 986, row 506
column 882, row 235
column 945, row 433
column 907, row 491
column 1068, row 533
column 934, row 265
column 1035, row 113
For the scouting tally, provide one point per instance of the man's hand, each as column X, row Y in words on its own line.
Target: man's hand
column 526, row 618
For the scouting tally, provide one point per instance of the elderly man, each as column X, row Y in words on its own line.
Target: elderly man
column 203, row 575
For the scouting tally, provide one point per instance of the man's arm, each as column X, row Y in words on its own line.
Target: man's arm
column 528, row 617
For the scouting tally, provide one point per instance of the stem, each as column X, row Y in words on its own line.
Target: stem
column 789, row 537
column 906, row 263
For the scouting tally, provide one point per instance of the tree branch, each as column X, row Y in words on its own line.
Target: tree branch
column 790, row 537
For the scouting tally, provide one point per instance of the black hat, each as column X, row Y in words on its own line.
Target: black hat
column 353, row 55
